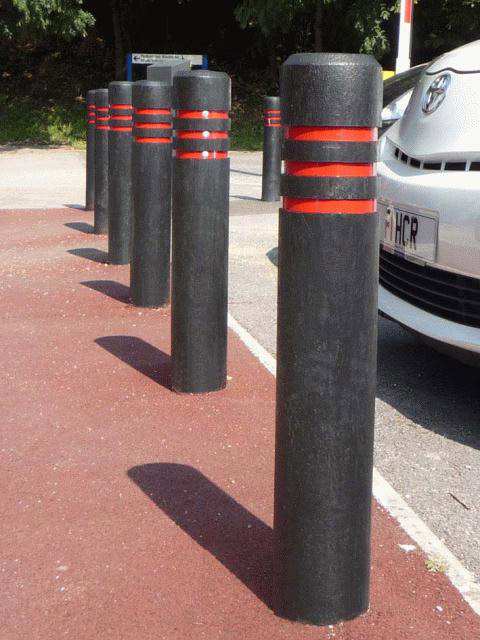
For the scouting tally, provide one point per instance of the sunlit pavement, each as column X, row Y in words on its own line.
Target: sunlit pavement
column 88, row 413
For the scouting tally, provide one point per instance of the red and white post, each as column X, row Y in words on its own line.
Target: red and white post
column 404, row 36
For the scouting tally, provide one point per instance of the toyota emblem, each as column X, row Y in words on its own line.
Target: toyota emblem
column 436, row 93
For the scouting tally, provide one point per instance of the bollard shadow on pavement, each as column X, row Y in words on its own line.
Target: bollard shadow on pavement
column 80, row 207
column 90, row 253
column 427, row 387
column 140, row 355
column 272, row 255
column 110, row 288
column 246, row 173
column 214, row 520
column 249, row 198
column 84, row 227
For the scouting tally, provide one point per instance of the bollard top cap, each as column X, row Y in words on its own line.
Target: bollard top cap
column 152, row 94
column 271, row 102
column 331, row 89
column 101, row 97
column 90, row 96
column 202, row 89
column 322, row 59
column 120, row 92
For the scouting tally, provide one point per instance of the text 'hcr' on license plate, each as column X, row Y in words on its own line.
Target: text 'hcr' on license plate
column 409, row 232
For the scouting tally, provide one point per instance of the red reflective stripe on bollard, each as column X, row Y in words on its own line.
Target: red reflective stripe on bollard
column 330, row 169
column 198, row 135
column 153, row 140
column 153, row 112
column 153, row 125
column 120, row 117
column 201, row 155
column 306, row 205
column 102, row 109
column 331, row 134
column 120, row 106
column 120, row 128
column 204, row 115
column 102, row 127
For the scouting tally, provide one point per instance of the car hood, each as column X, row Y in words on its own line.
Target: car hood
column 452, row 131
column 465, row 59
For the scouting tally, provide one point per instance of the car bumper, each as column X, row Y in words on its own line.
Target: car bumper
column 428, row 325
column 453, row 195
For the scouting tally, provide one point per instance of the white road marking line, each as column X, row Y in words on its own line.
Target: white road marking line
column 462, row 579
column 254, row 346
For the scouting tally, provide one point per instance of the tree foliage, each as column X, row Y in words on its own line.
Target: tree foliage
column 64, row 19
column 368, row 26
column 442, row 25
column 333, row 25
column 247, row 38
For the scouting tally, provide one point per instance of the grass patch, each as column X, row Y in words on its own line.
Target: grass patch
column 246, row 134
column 26, row 122
column 436, row 565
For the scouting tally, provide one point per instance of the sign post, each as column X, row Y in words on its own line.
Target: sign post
column 404, row 36
column 195, row 60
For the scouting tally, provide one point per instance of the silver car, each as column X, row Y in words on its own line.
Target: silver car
column 429, row 200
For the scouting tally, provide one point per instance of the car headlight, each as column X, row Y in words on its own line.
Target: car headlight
column 395, row 109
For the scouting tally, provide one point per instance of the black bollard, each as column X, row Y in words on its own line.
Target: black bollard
column 101, row 162
column 272, row 149
column 151, row 180
column 326, row 340
column 200, row 208
column 90, row 172
column 119, row 172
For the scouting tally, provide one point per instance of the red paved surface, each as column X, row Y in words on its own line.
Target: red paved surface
column 128, row 511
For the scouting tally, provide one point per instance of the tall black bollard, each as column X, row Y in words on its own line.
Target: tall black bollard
column 327, row 330
column 101, row 161
column 200, row 208
column 151, row 179
column 90, row 172
column 272, row 149
column 119, row 172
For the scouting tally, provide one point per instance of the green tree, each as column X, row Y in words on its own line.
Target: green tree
column 440, row 26
column 333, row 25
column 63, row 19
column 367, row 26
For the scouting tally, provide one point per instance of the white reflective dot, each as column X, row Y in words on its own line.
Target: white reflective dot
column 204, row 154
column 206, row 134
column 205, row 114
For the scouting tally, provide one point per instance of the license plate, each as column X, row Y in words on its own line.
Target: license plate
column 408, row 231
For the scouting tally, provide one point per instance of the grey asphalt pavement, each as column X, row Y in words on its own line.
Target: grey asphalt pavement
column 41, row 177
column 428, row 406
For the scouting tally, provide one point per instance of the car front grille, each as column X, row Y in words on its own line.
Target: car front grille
column 468, row 165
column 442, row 293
